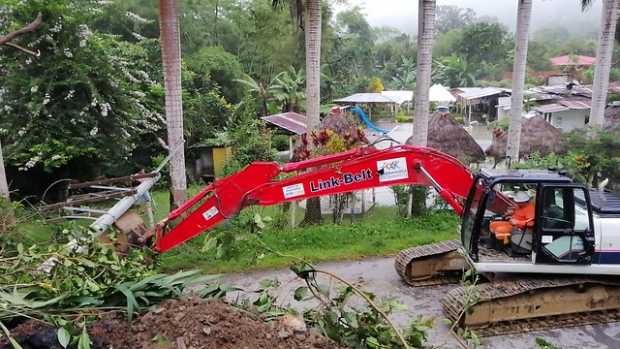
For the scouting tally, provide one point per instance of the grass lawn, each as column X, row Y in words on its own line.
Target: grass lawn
column 380, row 232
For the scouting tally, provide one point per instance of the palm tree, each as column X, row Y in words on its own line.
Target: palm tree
column 604, row 51
column 260, row 89
column 312, row 32
column 310, row 11
column 171, row 59
column 426, row 25
column 288, row 89
column 524, row 13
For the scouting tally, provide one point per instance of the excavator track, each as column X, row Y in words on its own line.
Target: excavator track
column 435, row 264
column 533, row 304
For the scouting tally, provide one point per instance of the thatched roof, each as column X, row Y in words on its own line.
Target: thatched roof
column 612, row 118
column 537, row 135
column 446, row 135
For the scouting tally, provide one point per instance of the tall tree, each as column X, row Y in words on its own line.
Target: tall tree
column 312, row 32
column 524, row 13
column 426, row 24
column 604, row 52
column 309, row 12
column 171, row 60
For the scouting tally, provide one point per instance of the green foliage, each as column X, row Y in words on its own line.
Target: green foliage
column 249, row 145
column 215, row 66
column 402, row 116
column 280, row 142
column 378, row 233
column 355, row 327
column 590, row 159
column 79, row 274
column 87, row 97
column 544, row 344
column 454, row 71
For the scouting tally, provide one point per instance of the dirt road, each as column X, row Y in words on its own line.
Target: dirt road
column 377, row 275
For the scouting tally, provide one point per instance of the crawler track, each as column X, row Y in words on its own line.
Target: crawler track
column 406, row 257
column 510, row 302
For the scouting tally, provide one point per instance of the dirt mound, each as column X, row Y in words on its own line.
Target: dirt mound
column 195, row 323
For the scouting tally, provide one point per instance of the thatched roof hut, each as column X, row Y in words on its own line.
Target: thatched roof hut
column 537, row 136
column 612, row 118
column 446, row 135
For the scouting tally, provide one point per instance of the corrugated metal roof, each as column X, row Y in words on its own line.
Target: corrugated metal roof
column 575, row 104
column 290, row 121
column 573, row 60
column 365, row 98
column 478, row 92
column 551, row 108
column 398, row 96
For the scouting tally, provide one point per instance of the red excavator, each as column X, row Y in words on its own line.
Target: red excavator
column 559, row 266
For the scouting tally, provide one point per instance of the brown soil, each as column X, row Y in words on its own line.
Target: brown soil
column 180, row 324
column 195, row 323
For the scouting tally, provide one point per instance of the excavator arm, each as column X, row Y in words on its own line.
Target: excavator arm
column 260, row 184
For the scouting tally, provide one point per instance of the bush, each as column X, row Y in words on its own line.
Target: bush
column 280, row 142
column 401, row 116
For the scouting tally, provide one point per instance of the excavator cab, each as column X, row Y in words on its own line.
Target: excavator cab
column 502, row 232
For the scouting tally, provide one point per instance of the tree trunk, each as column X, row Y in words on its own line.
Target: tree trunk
column 426, row 24
column 313, row 62
column 312, row 32
column 171, row 59
column 4, row 185
column 604, row 52
column 426, row 28
column 518, row 79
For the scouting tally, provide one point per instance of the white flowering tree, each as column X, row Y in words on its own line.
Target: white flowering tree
column 7, row 40
column 85, row 100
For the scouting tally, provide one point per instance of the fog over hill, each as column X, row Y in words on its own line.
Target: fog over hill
column 402, row 14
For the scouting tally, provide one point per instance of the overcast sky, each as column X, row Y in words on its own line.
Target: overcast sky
column 402, row 14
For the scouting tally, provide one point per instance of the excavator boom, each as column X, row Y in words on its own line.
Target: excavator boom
column 260, row 184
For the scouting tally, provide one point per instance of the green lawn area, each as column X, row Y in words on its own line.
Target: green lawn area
column 380, row 232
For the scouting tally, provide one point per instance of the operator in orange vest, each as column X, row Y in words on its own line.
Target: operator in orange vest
column 523, row 216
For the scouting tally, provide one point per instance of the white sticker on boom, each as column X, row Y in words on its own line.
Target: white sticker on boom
column 547, row 239
column 294, row 190
column 210, row 213
column 392, row 169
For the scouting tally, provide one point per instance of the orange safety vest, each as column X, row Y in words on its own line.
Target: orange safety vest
column 523, row 217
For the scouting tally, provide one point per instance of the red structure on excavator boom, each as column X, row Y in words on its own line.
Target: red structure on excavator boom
column 357, row 169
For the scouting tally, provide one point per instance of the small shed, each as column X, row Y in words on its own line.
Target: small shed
column 290, row 123
column 474, row 103
column 209, row 159
column 566, row 114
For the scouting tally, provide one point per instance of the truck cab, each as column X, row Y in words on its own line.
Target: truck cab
column 566, row 233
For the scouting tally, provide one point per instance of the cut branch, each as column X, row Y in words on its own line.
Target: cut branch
column 23, row 49
column 4, row 40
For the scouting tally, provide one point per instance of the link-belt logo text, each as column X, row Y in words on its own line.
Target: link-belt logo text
column 345, row 179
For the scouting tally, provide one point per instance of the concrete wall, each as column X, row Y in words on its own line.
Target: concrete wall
column 569, row 120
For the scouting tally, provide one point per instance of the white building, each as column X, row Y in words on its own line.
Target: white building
column 566, row 114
